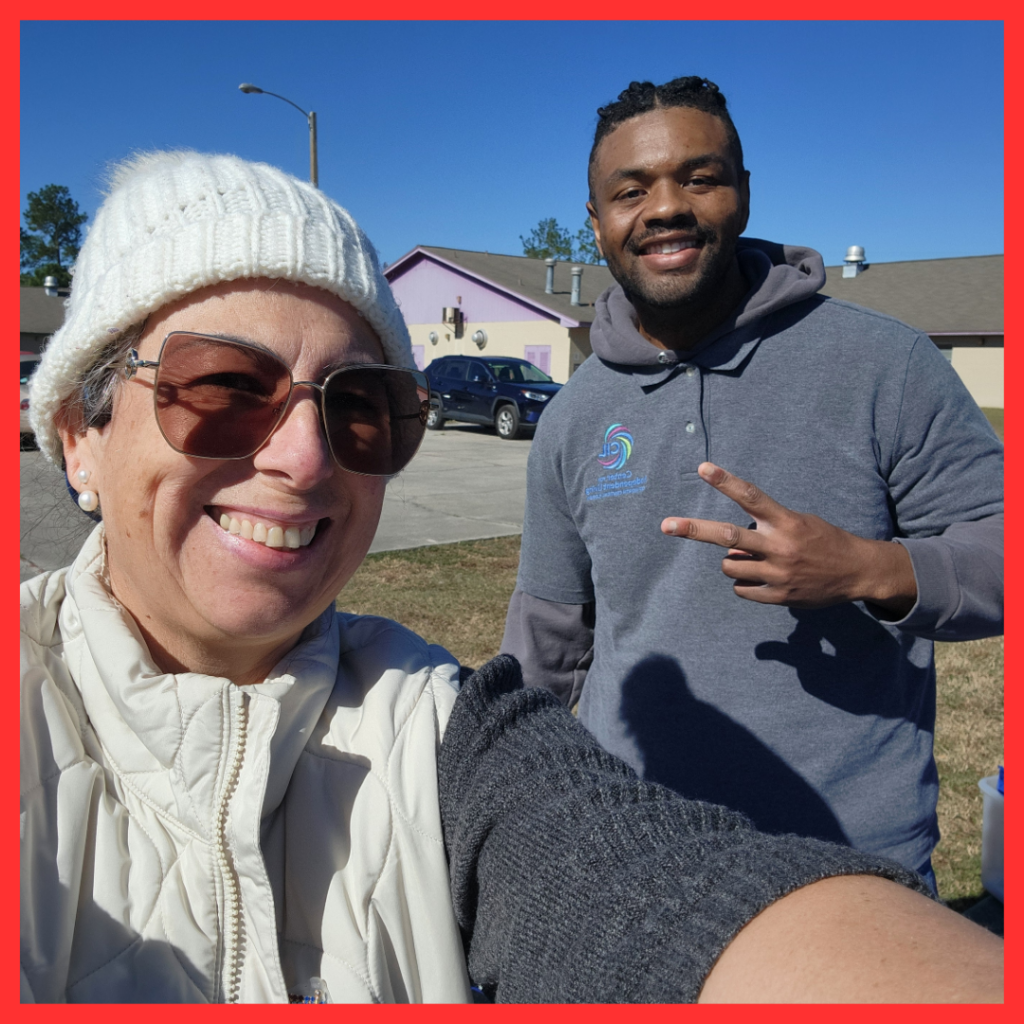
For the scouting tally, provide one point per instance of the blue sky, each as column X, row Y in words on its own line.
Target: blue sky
column 463, row 134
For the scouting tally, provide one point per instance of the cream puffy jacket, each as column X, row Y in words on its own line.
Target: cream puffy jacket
column 184, row 839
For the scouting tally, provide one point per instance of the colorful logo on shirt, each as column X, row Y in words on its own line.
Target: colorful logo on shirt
column 618, row 446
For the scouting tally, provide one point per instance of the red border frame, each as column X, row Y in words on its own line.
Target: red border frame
column 523, row 9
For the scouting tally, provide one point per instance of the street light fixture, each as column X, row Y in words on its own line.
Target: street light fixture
column 248, row 87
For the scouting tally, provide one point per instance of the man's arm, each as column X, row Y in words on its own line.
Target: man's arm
column 959, row 582
column 549, row 626
column 942, row 579
column 797, row 559
column 948, row 587
column 553, row 642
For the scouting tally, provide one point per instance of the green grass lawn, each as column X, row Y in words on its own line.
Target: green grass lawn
column 456, row 595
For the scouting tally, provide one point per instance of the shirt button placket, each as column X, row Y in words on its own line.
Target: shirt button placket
column 692, row 420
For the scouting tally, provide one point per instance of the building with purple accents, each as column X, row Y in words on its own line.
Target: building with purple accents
column 467, row 303
column 457, row 302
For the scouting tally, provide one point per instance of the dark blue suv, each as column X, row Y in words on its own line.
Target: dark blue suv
column 508, row 393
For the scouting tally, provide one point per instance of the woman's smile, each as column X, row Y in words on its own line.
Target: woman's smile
column 262, row 529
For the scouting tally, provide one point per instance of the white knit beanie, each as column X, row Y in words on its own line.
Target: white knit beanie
column 174, row 222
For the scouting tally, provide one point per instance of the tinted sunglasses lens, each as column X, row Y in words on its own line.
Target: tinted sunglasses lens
column 217, row 399
column 375, row 417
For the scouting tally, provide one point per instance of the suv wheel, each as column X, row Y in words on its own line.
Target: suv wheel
column 506, row 422
column 435, row 417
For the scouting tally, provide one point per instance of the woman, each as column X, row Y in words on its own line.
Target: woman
column 230, row 792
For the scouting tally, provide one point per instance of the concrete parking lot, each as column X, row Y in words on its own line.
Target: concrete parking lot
column 464, row 484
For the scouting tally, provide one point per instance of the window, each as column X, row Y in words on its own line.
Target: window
column 515, row 371
column 539, row 355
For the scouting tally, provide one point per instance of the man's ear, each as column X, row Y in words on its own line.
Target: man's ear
column 745, row 198
column 596, row 225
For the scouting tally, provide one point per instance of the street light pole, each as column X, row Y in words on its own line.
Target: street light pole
column 314, row 171
column 314, row 174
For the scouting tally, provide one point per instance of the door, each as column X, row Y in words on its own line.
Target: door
column 480, row 389
column 453, row 388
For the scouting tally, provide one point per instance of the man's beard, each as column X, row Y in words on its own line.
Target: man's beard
column 692, row 291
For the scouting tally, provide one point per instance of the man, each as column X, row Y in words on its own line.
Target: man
column 794, row 438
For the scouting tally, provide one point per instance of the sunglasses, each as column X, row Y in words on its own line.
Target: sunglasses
column 219, row 399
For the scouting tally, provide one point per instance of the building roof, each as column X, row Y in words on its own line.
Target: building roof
column 521, row 275
column 963, row 295
column 40, row 313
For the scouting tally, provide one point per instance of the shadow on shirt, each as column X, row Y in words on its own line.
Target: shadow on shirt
column 701, row 753
column 844, row 657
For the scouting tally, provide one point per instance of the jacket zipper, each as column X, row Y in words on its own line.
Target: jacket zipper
column 233, row 928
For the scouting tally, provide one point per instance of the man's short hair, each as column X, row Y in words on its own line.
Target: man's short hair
column 643, row 97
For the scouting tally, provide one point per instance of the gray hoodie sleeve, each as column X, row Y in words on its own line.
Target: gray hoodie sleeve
column 959, row 582
column 552, row 637
column 945, row 478
column 553, row 642
column 574, row 881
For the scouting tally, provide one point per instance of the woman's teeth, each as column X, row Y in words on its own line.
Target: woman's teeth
column 271, row 536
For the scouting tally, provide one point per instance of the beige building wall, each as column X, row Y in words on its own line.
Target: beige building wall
column 507, row 338
column 580, row 339
column 981, row 369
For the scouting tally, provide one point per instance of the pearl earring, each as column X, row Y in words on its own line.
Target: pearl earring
column 83, row 475
column 88, row 501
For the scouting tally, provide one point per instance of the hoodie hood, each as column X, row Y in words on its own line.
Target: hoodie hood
column 778, row 276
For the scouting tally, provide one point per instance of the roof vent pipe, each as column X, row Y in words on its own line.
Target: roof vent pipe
column 549, row 281
column 577, row 274
column 49, row 285
column 853, row 261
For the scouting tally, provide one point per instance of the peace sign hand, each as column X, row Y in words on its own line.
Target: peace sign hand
column 797, row 559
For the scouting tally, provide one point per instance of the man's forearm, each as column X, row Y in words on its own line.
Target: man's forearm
column 887, row 578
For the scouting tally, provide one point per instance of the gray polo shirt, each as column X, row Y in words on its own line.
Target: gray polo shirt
column 817, row 722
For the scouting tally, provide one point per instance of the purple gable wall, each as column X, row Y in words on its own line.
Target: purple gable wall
column 424, row 288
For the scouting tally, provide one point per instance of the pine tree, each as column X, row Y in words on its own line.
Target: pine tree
column 548, row 239
column 49, row 247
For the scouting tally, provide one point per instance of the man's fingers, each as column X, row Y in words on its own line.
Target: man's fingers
column 709, row 531
column 749, row 497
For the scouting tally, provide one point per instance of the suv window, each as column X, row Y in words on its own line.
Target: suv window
column 454, row 370
column 477, row 371
column 516, row 372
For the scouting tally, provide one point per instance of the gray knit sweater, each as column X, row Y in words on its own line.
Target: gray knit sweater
column 574, row 881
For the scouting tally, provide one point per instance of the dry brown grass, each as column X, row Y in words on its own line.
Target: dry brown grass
column 456, row 595
column 968, row 746
column 452, row 594
column 995, row 417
